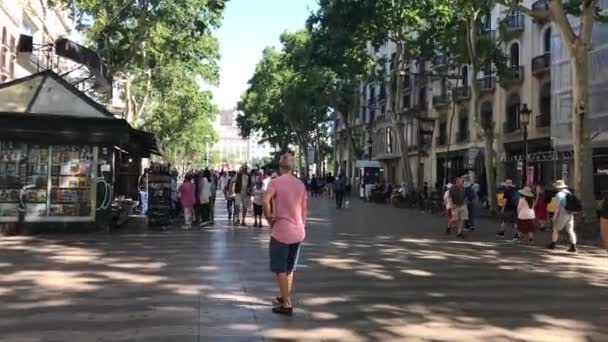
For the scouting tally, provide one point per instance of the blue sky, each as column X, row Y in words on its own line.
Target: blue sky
column 248, row 27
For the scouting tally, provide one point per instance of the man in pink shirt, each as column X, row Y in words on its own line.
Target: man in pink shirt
column 285, row 211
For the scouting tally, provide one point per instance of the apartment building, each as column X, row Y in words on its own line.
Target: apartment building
column 540, row 79
column 32, row 18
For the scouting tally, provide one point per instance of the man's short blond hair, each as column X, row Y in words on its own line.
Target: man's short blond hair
column 287, row 162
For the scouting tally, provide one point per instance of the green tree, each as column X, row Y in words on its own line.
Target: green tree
column 288, row 100
column 161, row 51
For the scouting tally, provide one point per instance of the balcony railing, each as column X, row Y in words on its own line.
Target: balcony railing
column 461, row 93
column 541, row 64
column 518, row 74
column 440, row 60
column 543, row 120
column 487, row 84
column 489, row 34
column 440, row 101
column 509, row 127
column 514, row 22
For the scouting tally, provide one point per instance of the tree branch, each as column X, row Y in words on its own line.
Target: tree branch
column 559, row 16
column 586, row 29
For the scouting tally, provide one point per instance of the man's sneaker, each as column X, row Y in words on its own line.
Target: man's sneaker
column 572, row 248
column 500, row 233
column 515, row 238
column 551, row 245
column 461, row 235
column 283, row 310
column 448, row 230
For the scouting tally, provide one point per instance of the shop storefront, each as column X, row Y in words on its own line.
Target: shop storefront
column 56, row 146
column 460, row 162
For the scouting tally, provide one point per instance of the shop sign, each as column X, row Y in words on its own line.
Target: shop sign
column 602, row 171
column 544, row 156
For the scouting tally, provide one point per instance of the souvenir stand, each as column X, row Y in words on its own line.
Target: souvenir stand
column 56, row 146
column 159, row 195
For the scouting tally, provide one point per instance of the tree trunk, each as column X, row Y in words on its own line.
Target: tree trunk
column 489, row 166
column 304, row 149
column 128, row 101
column 583, row 166
column 397, row 123
column 353, row 146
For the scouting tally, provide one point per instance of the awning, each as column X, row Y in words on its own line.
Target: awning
column 62, row 129
column 141, row 144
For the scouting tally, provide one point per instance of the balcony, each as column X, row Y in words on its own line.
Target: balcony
column 540, row 10
column 489, row 34
column 543, row 120
column 541, row 64
column 462, row 136
column 509, row 127
column 513, row 23
column 439, row 61
column 487, row 84
column 440, row 101
column 461, row 93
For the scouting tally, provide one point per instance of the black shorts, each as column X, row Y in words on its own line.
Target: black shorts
column 283, row 257
column 258, row 209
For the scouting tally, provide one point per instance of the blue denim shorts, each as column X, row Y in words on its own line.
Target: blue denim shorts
column 283, row 257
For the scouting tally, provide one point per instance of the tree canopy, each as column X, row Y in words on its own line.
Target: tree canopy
column 161, row 51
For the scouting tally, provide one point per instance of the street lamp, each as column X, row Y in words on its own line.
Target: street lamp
column 426, row 126
column 524, row 120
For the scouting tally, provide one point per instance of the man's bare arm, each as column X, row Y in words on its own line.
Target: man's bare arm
column 304, row 207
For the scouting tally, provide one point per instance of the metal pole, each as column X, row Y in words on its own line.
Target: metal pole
column 525, row 161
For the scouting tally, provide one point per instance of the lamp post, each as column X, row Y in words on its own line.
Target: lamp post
column 426, row 126
column 524, row 120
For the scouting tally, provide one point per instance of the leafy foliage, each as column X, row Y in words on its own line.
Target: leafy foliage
column 161, row 50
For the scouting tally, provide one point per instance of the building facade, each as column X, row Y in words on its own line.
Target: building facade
column 539, row 77
column 43, row 24
column 232, row 150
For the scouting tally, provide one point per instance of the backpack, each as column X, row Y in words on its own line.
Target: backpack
column 469, row 194
column 512, row 197
column 339, row 185
column 573, row 204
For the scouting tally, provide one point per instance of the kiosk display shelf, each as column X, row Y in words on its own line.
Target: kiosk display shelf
column 56, row 180
column 159, row 195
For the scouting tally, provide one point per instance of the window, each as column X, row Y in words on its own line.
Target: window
column 389, row 140
column 514, row 54
column 3, row 49
column 443, row 132
column 487, row 22
column 487, row 117
column 547, row 40
column 12, row 57
column 512, row 114
column 463, row 126
column 465, row 76
column 545, row 105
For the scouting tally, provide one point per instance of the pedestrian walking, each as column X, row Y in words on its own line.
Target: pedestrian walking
column 258, row 204
column 526, row 217
column 186, row 197
column 231, row 205
column 174, row 194
column 459, row 209
column 509, row 209
column 471, row 198
column 329, row 183
column 339, row 189
column 540, row 207
column 448, row 207
column 563, row 219
column 285, row 210
column 243, row 188
column 205, row 198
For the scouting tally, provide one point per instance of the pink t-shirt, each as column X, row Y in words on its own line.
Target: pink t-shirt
column 289, row 209
column 186, row 194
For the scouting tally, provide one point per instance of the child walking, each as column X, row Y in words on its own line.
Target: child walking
column 526, row 218
column 258, row 204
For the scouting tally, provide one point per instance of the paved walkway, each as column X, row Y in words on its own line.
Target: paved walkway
column 368, row 273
